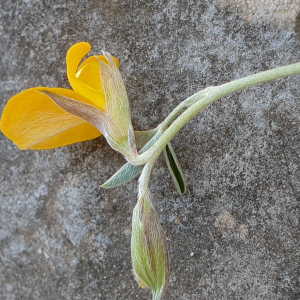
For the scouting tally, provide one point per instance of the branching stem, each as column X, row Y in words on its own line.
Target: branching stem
column 202, row 99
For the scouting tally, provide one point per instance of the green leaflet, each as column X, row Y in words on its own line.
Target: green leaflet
column 129, row 171
column 175, row 169
column 123, row 175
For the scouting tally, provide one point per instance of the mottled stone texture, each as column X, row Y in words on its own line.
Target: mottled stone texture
column 234, row 234
column 281, row 12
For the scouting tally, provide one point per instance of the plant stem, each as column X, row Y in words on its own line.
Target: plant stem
column 202, row 99
column 145, row 176
column 173, row 114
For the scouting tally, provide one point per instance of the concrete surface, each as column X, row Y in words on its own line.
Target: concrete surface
column 235, row 234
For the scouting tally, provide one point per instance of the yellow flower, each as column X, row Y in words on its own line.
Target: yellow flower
column 33, row 121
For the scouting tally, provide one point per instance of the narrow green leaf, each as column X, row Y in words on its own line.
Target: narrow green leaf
column 175, row 169
column 129, row 171
column 123, row 175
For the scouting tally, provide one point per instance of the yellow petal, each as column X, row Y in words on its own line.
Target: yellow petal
column 89, row 72
column 32, row 120
column 74, row 57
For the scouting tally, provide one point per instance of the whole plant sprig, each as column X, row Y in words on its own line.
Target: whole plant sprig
column 44, row 118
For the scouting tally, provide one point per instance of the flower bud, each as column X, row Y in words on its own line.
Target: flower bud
column 149, row 248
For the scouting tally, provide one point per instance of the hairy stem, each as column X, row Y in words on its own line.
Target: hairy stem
column 145, row 176
column 202, row 99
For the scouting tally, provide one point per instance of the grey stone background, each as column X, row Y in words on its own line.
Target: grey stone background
column 235, row 233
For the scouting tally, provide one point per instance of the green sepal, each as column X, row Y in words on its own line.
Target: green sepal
column 143, row 137
column 175, row 168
